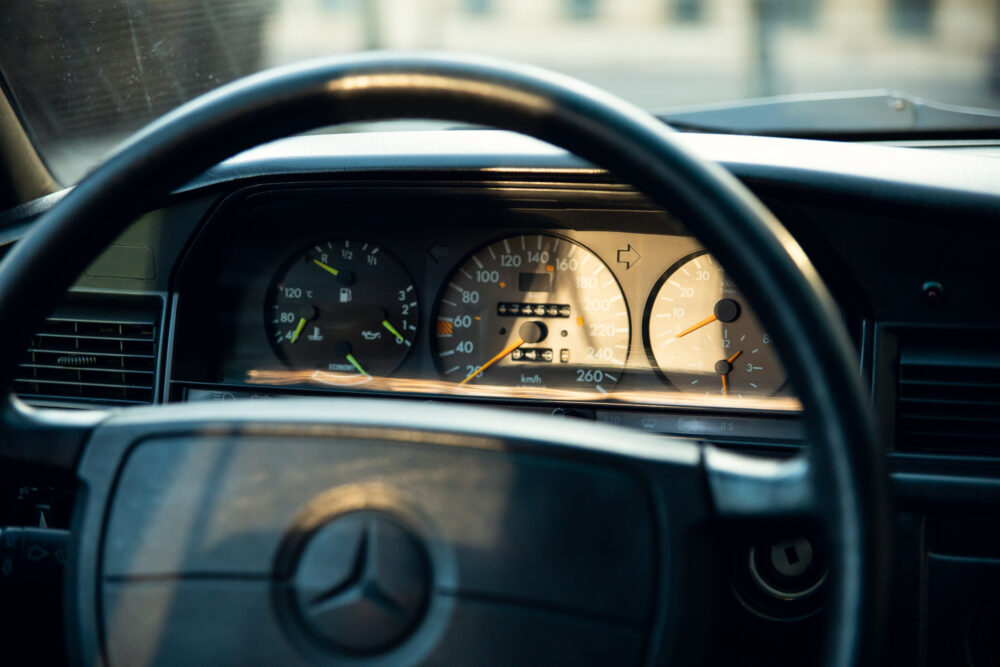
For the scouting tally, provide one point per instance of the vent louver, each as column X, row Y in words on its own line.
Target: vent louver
column 948, row 399
column 92, row 355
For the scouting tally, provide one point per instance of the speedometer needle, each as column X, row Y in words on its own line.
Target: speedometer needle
column 516, row 343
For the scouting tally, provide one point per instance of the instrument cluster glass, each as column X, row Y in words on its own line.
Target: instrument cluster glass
column 534, row 315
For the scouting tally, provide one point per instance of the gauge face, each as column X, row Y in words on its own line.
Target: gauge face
column 703, row 337
column 534, row 311
column 344, row 306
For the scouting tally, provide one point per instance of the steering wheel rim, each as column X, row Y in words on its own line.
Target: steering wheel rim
column 758, row 252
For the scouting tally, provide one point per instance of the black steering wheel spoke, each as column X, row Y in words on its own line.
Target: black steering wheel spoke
column 751, row 487
column 45, row 437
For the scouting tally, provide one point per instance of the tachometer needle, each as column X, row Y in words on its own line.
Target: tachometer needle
column 516, row 343
column 695, row 327
column 298, row 330
column 354, row 362
column 326, row 267
column 392, row 330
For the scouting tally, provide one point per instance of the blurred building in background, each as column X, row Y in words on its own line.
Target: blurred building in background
column 667, row 52
column 91, row 71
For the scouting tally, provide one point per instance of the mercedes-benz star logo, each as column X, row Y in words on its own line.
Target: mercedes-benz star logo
column 362, row 582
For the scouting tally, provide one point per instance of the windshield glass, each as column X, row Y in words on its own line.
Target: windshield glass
column 86, row 73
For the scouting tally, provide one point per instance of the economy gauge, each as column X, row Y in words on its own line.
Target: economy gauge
column 536, row 311
column 702, row 335
column 343, row 306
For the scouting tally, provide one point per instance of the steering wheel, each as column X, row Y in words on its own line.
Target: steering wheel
column 390, row 531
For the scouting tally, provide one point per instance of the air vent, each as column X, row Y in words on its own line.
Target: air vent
column 92, row 356
column 948, row 399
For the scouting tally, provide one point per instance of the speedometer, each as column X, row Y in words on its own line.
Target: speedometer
column 534, row 311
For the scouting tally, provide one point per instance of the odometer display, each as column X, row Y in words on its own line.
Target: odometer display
column 534, row 311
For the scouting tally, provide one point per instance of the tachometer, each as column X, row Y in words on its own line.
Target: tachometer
column 704, row 338
column 344, row 306
column 535, row 311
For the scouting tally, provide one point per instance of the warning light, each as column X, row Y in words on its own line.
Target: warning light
column 579, row 321
column 445, row 328
column 550, row 268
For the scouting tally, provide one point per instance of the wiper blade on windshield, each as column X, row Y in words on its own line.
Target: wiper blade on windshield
column 870, row 114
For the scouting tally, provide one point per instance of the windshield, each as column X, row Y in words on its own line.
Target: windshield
column 84, row 74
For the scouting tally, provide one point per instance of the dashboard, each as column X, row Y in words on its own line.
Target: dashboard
column 512, row 291
column 445, row 266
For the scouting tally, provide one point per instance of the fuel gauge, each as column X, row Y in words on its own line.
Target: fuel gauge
column 344, row 306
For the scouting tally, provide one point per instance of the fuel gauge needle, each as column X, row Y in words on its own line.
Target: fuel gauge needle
column 326, row 267
column 516, row 343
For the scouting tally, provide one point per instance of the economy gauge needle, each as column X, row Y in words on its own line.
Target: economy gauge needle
column 354, row 362
column 516, row 343
column 391, row 329
column 695, row 327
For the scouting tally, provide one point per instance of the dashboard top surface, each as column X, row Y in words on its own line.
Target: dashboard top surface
column 911, row 175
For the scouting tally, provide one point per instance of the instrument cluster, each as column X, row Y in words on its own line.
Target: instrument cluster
column 519, row 306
